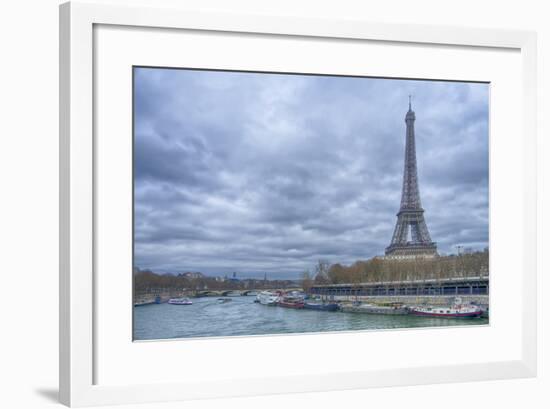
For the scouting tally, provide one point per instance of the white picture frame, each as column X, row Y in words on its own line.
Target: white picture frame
column 78, row 384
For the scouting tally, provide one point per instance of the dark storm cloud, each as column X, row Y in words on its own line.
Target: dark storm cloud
column 269, row 173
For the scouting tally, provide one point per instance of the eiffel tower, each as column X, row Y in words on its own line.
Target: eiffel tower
column 410, row 237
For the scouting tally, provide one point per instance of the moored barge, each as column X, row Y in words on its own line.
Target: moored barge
column 457, row 310
column 291, row 302
column 321, row 306
column 365, row 308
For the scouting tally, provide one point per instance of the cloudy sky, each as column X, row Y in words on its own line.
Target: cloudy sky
column 257, row 173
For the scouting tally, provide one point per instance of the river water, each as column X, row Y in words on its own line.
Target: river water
column 208, row 318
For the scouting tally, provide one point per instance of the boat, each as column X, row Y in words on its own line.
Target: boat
column 180, row 301
column 224, row 300
column 296, row 294
column 366, row 308
column 457, row 310
column 355, row 306
column 320, row 306
column 291, row 301
column 268, row 298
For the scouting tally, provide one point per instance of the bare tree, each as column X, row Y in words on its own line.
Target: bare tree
column 321, row 272
column 307, row 281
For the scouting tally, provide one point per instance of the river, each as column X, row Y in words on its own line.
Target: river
column 241, row 316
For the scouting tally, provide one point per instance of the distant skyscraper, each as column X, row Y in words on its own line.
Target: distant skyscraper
column 410, row 236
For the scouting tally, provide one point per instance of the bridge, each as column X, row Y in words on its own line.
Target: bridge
column 474, row 288
column 237, row 293
column 161, row 295
column 412, row 292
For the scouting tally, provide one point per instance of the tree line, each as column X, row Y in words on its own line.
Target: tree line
column 147, row 281
column 376, row 269
column 379, row 269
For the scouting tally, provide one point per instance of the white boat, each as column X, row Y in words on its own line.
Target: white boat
column 457, row 310
column 180, row 301
column 268, row 298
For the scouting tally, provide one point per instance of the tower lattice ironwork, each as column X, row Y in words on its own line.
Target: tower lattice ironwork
column 411, row 237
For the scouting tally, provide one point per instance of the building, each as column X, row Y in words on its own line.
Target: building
column 411, row 237
column 192, row 275
column 233, row 278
